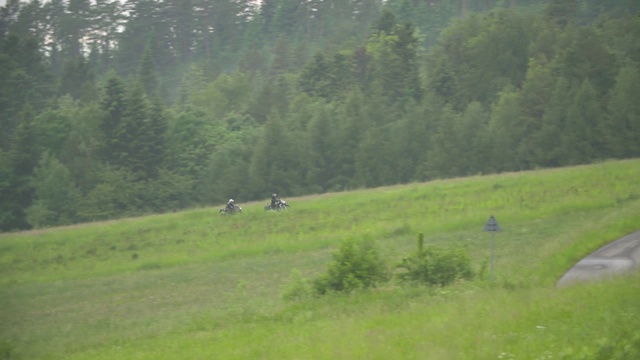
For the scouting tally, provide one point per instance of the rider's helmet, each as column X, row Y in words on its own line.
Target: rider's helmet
column 231, row 201
column 274, row 195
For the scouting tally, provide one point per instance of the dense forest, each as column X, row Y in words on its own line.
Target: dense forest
column 116, row 108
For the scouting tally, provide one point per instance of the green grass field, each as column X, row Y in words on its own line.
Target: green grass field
column 197, row 285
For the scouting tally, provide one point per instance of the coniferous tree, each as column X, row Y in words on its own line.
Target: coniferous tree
column 115, row 194
column 52, row 127
column 350, row 132
column 54, row 12
column 26, row 20
column 25, row 150
column 130, row 134
column 145, row 26
column 191, row 139
column 290, row 17
column 229, row 21
column 470, row 139
column 229, row 93
column 327, row 77
column 447, row 158
column 534, row 98
column 55, row 194
column 78, row 80
column 82, row 142
column 546, row 143
column 582, row 136
column 267, row 14
column 152, row 140
column 107, row 19
column 403, row 150
column 395, row 67
column 193, row 81
column 9, row 202
column 385, row 23
column 24, row 81
column 282, row 57
column 147, row 72
column 421, row 126
column 314, row 77
column 371, row 162
column 274, row 164
column 586, row 57
column 228, row 172
column 321, row 144
column 505, row 133
column 177, row 19
column 8, row 15
column 406, row 49
column 23, row 154
column 113, row 105
column 448, row 62
column 621, row 36
column 622, row 125
column 271, row 96
column 74, row 24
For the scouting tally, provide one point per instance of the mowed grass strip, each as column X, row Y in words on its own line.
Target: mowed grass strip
column 194, row 284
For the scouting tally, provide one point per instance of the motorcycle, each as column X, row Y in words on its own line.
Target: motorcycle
column 236, row 209
column 280, row 205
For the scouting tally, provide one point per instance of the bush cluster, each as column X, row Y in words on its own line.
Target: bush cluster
column 435, row 266
column 358, row 265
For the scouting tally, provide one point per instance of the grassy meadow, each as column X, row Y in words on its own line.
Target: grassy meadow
column 197, row 285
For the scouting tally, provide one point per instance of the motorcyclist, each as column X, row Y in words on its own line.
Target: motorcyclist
column 231, row 205
column 274, row 201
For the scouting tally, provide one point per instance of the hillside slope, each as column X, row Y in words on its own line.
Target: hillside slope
column 196, row 284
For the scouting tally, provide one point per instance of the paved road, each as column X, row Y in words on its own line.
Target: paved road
column 616, row 258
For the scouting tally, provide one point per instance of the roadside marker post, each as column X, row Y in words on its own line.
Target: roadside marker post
column 492, row 226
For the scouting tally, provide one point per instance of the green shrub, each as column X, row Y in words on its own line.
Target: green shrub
column 435, row 266
column 356, row 265
column 297, row 288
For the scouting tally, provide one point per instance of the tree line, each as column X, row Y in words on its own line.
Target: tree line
column 111, row 109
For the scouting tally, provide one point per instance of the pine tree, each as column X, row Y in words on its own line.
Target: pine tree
column 24, row 154
column 55, row 194
column 24, row 81
column 274, row 164
column 395, row 65
column 351, row 128
column 534, row 98
column 371, row 161
column 9, row 202
column 586, row 57
column 321, row 147
column 547, row 149
column 447, row 158
column 622, row 127
column 191, row 139
column 145, row 27
column 582, row 137
column 506, row 134
column 147, row 73
column 113, row 105
column 131, row 132
column 78, row 80
column 152, row 139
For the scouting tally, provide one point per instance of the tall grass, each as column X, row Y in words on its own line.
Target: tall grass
column 198, row 285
